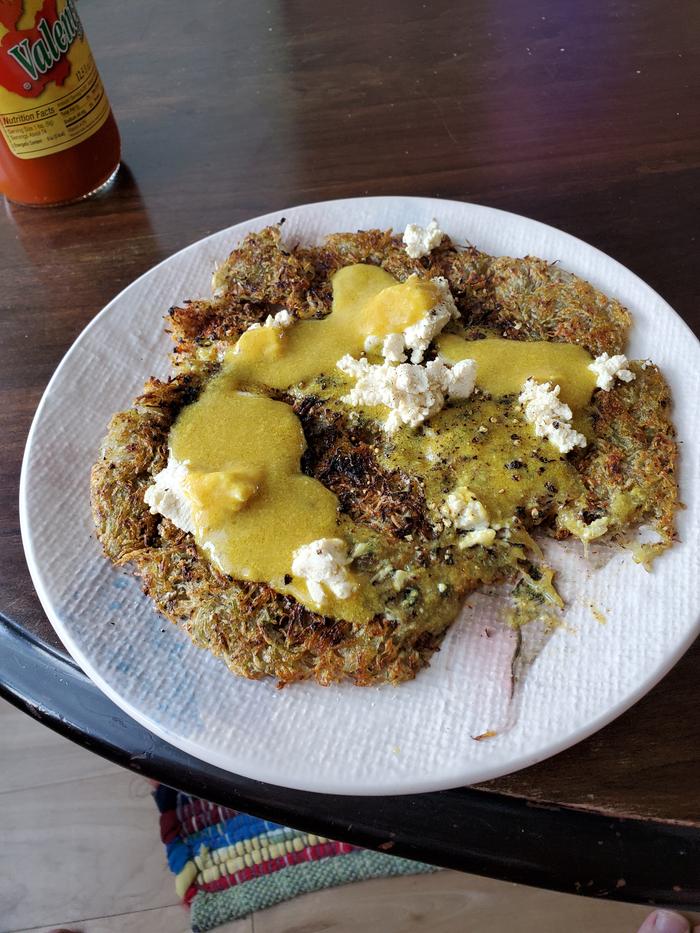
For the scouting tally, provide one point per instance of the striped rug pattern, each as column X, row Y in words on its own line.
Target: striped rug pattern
column 229, row 864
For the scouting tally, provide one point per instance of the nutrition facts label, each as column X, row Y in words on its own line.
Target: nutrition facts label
column 68, row 117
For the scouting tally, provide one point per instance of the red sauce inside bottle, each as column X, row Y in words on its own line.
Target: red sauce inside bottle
column 58, row 138
column 63, row 176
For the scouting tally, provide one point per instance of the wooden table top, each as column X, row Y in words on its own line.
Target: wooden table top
column 584, row 116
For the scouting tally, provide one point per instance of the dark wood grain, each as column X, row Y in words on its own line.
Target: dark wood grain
column 582, row 115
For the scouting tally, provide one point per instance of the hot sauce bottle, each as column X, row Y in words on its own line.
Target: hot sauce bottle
column 58, row 139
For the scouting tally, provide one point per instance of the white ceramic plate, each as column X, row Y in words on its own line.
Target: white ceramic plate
column 343, row 739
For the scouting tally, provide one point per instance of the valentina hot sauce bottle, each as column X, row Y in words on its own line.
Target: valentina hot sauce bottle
column 58, row 138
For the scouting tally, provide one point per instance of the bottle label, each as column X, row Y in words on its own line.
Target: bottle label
column 51, row 96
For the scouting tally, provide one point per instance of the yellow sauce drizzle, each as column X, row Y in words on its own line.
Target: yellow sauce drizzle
column 253, row 507
column 502, row 366
column 504, row 465
column 366, row 301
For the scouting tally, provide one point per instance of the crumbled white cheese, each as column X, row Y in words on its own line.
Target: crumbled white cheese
column 419, row 336
column 564, row 437
column 607, row 368
column 168, row 495
column 549, row 416
column 419, row 241
column 322, row 564
column 465, row 510
column 412, row 393
column 282, row 320
column 176, row 494
column 467, row 513
column 458, row 380
column 393, row 348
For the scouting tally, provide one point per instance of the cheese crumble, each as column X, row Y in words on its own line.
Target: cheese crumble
column 323, row 565
column 393, row 348
column 412, row 393
column 419, row 336
column 608, row 368
column 467, row 513
column 549, row 416
column 167, row 496
column 181, row 494
column 420, row 241
column 282, row 320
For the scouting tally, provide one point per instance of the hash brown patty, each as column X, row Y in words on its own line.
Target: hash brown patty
column 259, row 632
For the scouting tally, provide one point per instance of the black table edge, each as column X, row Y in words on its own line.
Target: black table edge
column 470, row 830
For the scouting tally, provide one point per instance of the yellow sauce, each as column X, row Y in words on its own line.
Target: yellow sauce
column 253, row 507
column 366, row 301
column 502, row 366
column 504, row 465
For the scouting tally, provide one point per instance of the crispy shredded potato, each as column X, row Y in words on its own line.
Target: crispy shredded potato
column 627, row 470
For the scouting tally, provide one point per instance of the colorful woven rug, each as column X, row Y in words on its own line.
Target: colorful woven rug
column 229, row 864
